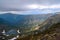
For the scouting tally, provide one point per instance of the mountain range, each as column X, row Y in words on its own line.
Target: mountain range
column 22, row 22
column 46, row 25
column 27, row 23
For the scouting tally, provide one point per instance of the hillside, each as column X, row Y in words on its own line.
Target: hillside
column 31, row 26
column 49, row 30
column 51, row 34
column 22, row 22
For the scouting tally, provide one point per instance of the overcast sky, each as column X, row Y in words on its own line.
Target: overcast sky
column 29, row 6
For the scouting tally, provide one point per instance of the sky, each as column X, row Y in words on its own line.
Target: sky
column 29, row 6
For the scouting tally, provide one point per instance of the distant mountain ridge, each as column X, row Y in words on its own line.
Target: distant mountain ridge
column 27, row 23
column 23, row 22
column 15, row 17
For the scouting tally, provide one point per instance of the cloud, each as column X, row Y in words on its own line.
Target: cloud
column 29, row 5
